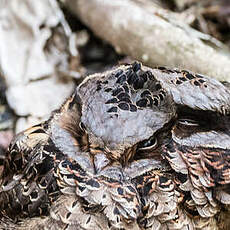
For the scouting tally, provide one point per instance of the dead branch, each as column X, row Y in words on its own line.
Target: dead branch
column 153, row 37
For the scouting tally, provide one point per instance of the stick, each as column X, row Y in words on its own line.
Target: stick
column 153, row 38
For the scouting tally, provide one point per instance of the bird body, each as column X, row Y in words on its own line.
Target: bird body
column 132, row 148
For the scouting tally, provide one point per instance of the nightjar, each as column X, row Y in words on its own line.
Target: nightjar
column 132, row 148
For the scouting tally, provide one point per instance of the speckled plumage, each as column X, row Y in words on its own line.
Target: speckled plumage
column 132, row 148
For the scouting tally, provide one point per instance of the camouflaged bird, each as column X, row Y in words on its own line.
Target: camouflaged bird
column 132, row 148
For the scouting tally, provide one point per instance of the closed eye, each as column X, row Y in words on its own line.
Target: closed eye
column 185, row 127
column 188, row 122
column 147, row 145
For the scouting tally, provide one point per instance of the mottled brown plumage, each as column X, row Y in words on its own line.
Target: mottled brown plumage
column 133, row 148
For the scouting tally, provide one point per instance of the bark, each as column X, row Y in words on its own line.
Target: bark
column 153, row 37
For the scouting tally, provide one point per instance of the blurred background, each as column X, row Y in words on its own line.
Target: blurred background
column 47, row 47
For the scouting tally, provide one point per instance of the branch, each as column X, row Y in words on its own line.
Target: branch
column 155, row 38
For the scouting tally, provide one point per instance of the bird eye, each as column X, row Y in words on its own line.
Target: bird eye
column 149, row 144
column 188, row 122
